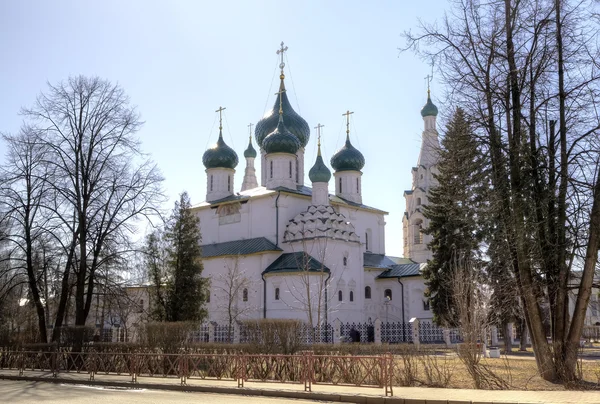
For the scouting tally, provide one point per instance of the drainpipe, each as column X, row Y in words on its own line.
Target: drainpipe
column 264, row 295
column 403, row 321
column 277, row 219
column 326, row 323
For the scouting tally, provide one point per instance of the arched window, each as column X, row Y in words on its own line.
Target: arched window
column 245, row 295
column 345, row 261
column 271, row 168
column 367, row 241
column 418, row 201
column 229, row 183
column 367, row 292
column 211, row 182
column 426, row 304
column 340, row 181
column 351, row 296
column 290, row 169
column 276, row 293
column 208, row 297
column 418, row 232
column 340, row 296
column 388, row 294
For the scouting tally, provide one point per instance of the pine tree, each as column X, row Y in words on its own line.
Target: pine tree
column 174, row 262
column 455, row 212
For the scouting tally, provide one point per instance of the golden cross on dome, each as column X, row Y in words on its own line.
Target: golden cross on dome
column 347, row 115
column 318, row 128
column 280, row 93
column 250, row 125
column 280, row 51
column 220, row 111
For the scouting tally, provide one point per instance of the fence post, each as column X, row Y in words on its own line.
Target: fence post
column 308, row 370
column 90, row 366
column 378, row 331
column 21, row 363
column 134, row 368
column 337, row 330
column 54, row 362
column 447, row 341
column 389, row 374
column 184, row 371
column 415, row 331
column 211, row 332
column 236, row 332
column 241, row 370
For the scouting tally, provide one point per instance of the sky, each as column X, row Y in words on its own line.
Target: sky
column 179, row 61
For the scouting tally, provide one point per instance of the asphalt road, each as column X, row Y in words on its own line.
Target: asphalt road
column 25, row 392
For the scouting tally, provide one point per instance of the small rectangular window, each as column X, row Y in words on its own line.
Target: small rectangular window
column 290, row 169
column 276, row 293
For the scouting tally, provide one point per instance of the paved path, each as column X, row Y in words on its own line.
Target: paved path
column 23, row 392
column 359, row 395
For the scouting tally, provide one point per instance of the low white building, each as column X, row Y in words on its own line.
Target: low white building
column 283, row 249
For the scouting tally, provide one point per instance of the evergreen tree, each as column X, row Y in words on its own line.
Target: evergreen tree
column 455, row 212
column 174, row 262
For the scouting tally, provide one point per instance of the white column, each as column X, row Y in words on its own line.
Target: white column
column 320, row 193
column 219, row 183
column 278, row 170
column 348, row 185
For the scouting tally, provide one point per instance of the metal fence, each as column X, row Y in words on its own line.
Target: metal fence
column 307, row 368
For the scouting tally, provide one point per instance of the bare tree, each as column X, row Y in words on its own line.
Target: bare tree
column 233, row 286
column 96, row 181
column 512, row 65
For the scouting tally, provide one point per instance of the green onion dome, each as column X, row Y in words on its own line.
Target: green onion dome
column 348, row 158
column 250, row 152
column 429, row 109
column 293, row 122
column 220, row 155
column 281, row 140
column 319, row 172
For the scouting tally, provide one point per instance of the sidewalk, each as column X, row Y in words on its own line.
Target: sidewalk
column 352, row 394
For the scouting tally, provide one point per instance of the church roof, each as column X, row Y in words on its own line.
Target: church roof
column 380, row 261
column 296, row 262
column 403, row 271
column 239, row 247
column 257, row 192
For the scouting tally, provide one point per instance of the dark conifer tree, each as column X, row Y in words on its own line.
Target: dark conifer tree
column 455, row 212
column 179, row 289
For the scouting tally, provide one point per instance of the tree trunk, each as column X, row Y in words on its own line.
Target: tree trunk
column 525, row 277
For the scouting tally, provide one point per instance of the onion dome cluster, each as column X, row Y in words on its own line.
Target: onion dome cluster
column 293, row 122
column 281, row 140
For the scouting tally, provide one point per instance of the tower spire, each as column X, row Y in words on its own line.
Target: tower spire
column 280, row 52
column 347, row 115
column 318, row 128
column 250, row 125
column 220, row 111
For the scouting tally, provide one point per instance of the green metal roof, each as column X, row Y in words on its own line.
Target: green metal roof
column 380, row 261
column 238, row 247
column 296, row 262
column 403, row 271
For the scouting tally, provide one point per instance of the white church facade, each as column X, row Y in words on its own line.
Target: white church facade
column 280, row 248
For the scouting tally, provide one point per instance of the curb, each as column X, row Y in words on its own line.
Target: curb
column 244, row 391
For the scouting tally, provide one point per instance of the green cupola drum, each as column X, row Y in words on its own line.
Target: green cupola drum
column 220, row 162
column 348, row 163
column 319, row 175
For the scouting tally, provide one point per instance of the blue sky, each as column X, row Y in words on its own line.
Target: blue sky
column 180, row 60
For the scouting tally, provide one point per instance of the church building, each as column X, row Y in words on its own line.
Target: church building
column 280, row 248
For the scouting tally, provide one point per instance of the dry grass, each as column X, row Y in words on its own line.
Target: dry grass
column 519, row 373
